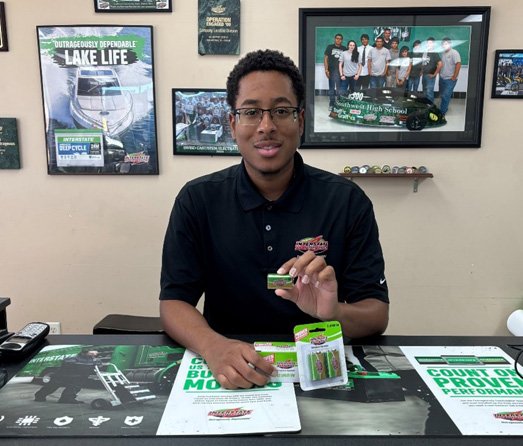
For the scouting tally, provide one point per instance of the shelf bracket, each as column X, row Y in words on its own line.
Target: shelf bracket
column 415, row 185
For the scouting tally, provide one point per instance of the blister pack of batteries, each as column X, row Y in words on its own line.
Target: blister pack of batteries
column 321, row 355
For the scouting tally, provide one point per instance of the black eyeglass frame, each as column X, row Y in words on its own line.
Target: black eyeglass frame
column 295, row 111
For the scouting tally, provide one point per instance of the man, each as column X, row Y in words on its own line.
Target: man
column 363, row 80
column 270, row 214
column 72, row 375
column 431, row 67
column 394, row 62
column 448, row 76
column 331, row 62
column 387, row 41
column 378, row 64
column 417, row 67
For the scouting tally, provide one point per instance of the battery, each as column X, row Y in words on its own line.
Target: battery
column 283, row 281
column 332, row 363
column 317, row 366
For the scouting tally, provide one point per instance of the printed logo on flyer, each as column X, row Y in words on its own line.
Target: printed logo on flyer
column 230, row 413
column 511, row 416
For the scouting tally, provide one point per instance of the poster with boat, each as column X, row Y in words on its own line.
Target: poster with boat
column 98, row 97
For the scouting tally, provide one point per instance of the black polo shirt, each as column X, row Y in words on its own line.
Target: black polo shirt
column 224, row 237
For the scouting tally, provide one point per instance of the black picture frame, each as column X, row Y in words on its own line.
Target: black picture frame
column 133, row 6
column 3, row 30
column 468, row 26
column 201, row 122
column 99, row 109
column 507, row 79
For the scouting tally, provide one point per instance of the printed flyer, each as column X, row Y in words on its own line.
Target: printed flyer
column 477, row 386
column 98, row 94
column 106, row 390
column 198, row 405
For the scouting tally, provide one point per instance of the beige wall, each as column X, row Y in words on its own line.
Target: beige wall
column 75, row 248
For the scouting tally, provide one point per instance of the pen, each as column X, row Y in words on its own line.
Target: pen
column 261, row 372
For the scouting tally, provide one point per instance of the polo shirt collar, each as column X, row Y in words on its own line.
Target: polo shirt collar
column 292, row 199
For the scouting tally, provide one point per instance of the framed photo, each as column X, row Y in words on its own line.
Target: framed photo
column 507, row 82
column 201, row 123
column 425, row 85
column 3, row 31
column 133, row 5
column 98, row 97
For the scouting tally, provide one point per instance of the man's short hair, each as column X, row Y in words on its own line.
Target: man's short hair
column 395, row 39
column 265, row 60
column 365, row 36
column 446, row 39
column 339, row 35
column 416, row 43
column 432, row 39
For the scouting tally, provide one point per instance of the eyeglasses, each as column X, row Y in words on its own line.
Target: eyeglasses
column 254, row 115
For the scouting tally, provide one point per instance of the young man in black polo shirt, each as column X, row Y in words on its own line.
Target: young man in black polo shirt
column 271, row 213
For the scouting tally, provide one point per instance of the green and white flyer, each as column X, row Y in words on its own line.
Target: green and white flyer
column 198, row 405
column 477, row 386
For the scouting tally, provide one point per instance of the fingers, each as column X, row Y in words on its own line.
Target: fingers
column 237, row 365
column 309, row 268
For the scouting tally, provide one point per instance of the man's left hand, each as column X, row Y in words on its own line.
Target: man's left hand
column 316, row 289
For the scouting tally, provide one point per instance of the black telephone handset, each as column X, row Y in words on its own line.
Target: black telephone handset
column 24, row 341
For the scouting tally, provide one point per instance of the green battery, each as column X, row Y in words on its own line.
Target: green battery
column 284, row 281
column 317, row 366
column 332, row 362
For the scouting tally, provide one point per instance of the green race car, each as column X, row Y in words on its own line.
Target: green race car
column 388, row 107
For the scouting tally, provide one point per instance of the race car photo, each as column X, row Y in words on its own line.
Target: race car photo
column 387, row 107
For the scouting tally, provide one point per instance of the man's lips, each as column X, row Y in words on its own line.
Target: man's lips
column 267, row 148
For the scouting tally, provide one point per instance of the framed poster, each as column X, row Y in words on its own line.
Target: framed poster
column 201, row 123
column 424, row 88
column 133, row 5
column 98, row 97
column 507, row 81
column 3, row 31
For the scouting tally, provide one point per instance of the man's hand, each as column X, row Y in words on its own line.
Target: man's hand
column 233, row 364
column 228, row 359
column 316, row 289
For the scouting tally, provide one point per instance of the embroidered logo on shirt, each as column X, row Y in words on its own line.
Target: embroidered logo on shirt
column 317, row 244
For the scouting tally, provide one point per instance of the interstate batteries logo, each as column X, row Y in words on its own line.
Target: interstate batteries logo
column 229, row 413
column 137, row 158
column 512, row 416
column 286, row 365
column 317, row 244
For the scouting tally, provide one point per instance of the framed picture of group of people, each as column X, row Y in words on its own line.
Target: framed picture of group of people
column 393, row 77
column 201, row 122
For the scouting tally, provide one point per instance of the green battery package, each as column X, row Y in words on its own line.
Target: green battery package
column 281, row 355
column 321, row 355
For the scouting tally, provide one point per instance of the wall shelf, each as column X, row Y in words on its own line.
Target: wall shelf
column 408, row 176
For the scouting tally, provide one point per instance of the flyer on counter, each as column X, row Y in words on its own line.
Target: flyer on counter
column 477, row 386
column 90, row 390
column 198, row 405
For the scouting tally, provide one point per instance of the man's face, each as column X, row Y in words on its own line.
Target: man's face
column 379, row 43
column 394, row 45
column 430, row 45
column 267, row 149
column 364, row 41
column 386, row 34
column 446, row 45
column 338, row 40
